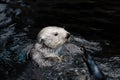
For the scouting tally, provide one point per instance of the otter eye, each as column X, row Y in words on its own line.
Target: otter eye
column 55, row 34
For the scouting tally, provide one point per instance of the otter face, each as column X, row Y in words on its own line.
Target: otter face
column 53, row 36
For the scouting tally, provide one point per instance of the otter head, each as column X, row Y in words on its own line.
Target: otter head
column 53, row 37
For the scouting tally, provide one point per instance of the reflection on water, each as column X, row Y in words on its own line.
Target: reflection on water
column 19, row 27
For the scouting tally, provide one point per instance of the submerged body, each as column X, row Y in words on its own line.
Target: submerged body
column 95, row 72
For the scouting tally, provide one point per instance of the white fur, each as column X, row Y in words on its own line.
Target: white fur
column 48, row 34
column 49, row 42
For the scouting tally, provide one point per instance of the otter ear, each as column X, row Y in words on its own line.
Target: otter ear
column 40, row 37
column 40, row 40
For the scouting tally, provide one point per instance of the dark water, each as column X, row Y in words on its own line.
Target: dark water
column 21, row 20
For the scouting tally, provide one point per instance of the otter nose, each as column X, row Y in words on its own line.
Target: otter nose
column 68, row 35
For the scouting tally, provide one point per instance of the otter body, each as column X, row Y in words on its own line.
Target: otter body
column 49, row 43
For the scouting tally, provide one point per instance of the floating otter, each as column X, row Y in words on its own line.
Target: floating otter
column 55, row 66
column 49, row 42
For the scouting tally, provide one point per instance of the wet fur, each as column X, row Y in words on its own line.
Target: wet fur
column 49, row 42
